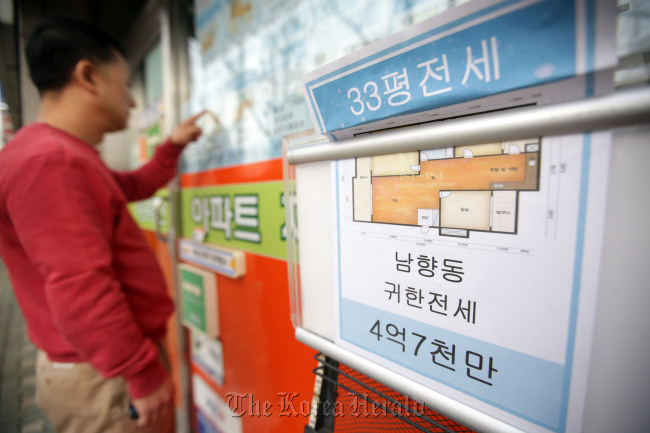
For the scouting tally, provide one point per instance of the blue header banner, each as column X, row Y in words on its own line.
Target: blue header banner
column 506, row 46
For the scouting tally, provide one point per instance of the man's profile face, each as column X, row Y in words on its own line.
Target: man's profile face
column 115, row 94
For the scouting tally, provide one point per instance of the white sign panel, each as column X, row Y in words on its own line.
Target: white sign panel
column 223, row 260
column 207, row 353
column 214, row 415
column 470, row 269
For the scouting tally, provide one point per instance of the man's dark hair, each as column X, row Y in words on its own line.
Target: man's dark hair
column 56, row 46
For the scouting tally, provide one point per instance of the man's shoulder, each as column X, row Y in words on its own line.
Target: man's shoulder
column 36, row 148
column 32, row 140
column 43, row 142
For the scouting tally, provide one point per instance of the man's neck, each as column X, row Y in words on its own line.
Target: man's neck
column 58, row 110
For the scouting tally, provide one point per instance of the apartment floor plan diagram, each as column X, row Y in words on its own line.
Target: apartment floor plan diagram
column 454, row 189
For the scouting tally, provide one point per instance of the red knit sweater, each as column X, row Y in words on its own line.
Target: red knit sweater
column 86, row 281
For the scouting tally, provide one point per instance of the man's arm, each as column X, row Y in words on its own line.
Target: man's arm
column 146, row 180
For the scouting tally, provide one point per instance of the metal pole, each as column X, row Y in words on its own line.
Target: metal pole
column 622, row 108
column 470, row 417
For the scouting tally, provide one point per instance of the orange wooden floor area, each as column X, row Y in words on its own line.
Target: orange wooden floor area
column 396, row 199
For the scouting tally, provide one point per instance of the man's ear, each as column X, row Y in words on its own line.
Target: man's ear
column 86, row 75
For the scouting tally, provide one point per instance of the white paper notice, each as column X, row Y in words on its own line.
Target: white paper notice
column 467, row 269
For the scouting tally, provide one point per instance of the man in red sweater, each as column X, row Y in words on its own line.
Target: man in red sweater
column 91, row 290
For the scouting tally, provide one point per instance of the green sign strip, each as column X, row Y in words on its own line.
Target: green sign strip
column 248, row 216
column 143, row 213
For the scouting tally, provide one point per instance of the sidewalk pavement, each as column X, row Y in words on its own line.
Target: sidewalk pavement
column 18, row 411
